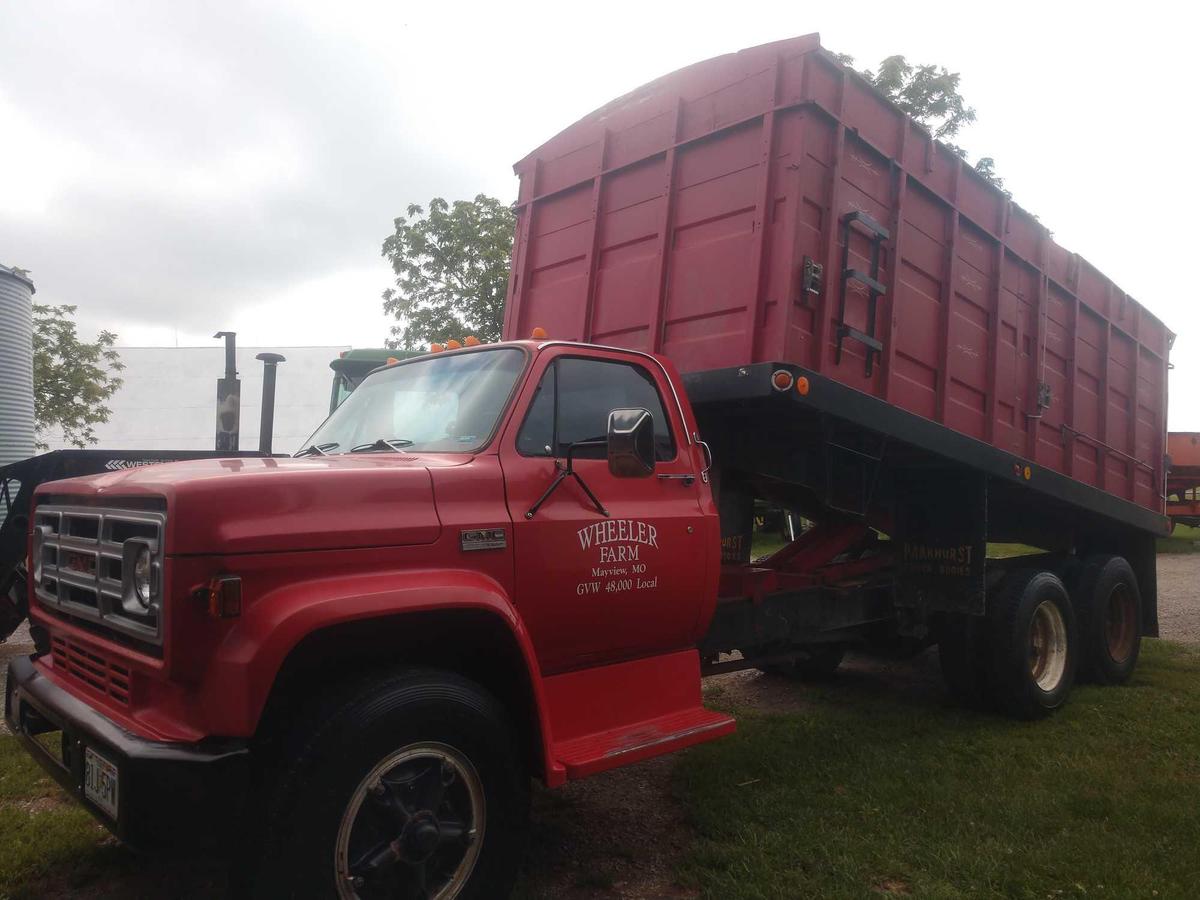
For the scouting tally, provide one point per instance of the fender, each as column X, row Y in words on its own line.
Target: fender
column 248, row 660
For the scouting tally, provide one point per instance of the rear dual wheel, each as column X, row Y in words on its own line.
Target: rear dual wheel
column 1109, row 604
column 1021, row 657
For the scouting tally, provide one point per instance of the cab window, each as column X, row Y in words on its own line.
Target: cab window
column 573, row 401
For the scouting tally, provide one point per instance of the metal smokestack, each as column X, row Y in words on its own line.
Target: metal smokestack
column 266, row 424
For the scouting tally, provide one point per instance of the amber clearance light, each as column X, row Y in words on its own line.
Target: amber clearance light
column 224, row 594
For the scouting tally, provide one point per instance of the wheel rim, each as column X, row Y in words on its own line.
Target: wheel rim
column 1120, row 623
column 1047, row 646
column 413, row 827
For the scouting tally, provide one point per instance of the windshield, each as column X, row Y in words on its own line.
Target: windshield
column 446, row 404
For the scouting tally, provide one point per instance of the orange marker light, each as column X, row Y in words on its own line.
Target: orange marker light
column 782, row 380
column 453, row 344
column 802, row 386
column 391, row 360
column 538, row 334
column 471, row 341
column 1028, row 473
column 224, row 596
column 436, row 348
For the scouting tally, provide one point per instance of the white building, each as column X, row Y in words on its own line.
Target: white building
column 169, row 398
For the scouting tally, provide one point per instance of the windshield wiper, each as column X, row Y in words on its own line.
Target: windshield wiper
column 316, row 449
column 396, row 444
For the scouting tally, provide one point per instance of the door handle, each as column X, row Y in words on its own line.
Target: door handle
column 688, row 479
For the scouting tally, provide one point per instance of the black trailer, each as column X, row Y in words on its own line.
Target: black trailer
column 904, row 517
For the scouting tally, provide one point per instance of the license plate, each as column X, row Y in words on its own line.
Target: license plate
column 100, row 781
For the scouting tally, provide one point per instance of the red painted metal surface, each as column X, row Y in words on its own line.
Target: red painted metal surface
column 323, row 541
column 679, row 218
column 604, row 716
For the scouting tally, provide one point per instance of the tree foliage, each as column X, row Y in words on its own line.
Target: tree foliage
column 72, row 379
column 451, row 263
column 930, row 94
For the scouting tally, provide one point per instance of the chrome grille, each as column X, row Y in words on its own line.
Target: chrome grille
column 78, row 565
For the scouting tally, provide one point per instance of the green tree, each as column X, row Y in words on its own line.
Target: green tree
column 72, row 379
column 930, row 94
column 451, row 263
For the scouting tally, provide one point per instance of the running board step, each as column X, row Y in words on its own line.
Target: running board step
column 605, row 750
column 609, row 716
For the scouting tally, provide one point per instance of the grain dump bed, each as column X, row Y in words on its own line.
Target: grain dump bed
column 770, row 205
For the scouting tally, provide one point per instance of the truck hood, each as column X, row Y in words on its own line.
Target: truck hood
column 264, row 505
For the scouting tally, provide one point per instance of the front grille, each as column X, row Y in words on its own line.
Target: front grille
column 91, row 667
column 78, row 566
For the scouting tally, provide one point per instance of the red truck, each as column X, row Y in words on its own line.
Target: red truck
column 762, row 283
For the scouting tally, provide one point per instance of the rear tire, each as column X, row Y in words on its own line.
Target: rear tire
column 1032, row 637
column 1109, row 606
column 415, row 778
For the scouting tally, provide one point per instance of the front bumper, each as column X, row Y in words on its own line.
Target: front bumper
column 175, row 796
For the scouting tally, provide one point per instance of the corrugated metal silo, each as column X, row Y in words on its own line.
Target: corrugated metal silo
column 16, row 365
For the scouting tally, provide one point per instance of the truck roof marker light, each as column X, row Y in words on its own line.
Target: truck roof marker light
column 391, row 360
column 782, row 380
column 436, row 348
column 538, row 334
column 453, row 344
column 802, row 386
column 225, row 597
column 471, row 341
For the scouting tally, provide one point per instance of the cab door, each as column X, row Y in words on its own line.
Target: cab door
column 592, row 587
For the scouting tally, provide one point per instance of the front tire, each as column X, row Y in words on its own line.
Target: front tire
column 412, row 788
column 1032, row 644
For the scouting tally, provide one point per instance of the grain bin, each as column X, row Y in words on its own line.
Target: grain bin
column 16, row 365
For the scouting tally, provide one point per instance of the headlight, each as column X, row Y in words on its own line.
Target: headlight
column 137, row 570
column 36, row 553
column 142, row 576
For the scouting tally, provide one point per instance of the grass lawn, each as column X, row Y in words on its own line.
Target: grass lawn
column 1184, row 539
column 870, row 789
column 41, row 831
column 866, row 795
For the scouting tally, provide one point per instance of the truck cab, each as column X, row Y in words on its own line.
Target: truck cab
column 488, row 563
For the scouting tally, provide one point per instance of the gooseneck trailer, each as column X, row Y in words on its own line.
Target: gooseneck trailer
column 752, row 281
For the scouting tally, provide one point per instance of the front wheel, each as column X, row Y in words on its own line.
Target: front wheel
column 413, row 788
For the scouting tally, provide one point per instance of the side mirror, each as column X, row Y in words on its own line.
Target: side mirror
column 631, row 443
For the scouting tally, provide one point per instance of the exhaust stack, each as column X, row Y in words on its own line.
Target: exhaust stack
column 266, row 426
column 229, row 397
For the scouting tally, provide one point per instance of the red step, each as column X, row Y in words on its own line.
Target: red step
column 605, row 750
column 608, row 716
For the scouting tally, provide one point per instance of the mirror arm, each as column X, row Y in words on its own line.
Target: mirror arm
column 568, row 471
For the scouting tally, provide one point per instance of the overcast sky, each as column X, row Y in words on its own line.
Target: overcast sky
column 175, row 168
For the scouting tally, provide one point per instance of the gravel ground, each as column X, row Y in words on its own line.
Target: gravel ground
column 620, row 834
column 1179, row 597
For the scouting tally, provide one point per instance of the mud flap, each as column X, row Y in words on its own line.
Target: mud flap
column 941, row 524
